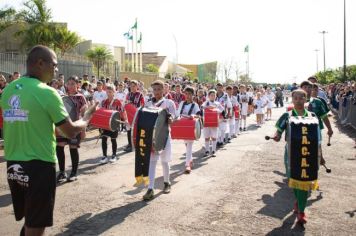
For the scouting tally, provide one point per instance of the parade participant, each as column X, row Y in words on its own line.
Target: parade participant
column 231, row 117
column 243, row 98
column 225, row 102
column 299, row 97
column 136, row 98
column 211, row 133
column 121, row 96
column 99, row 95
column 264, row 99
column 167, row 93
column 178, row 96
column 258, row 106
column 166, row 155
column 80, row 106
column 112, row 104
column 250, row 95
column 200, row 98
column 190, row 109
column 317, row 106
column 270, row 99
column 31, row 111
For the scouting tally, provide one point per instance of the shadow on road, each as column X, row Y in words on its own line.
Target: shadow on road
column 288, row 227
column 89, row 224
column 5, row 200
column 351, row 213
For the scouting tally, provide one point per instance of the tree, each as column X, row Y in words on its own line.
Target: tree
column 244, row 79
column 65, row 40
column 7, row 17
column 151, row 68
column 99, row 56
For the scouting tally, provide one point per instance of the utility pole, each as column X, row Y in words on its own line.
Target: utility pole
column 324, row 32
column 344, row 40
column 317, row 60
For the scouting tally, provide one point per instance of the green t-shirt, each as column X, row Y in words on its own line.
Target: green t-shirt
column 282, row 122
column 318, row 108
column 30, row 110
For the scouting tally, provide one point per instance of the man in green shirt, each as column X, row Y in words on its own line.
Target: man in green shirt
column 31, row 110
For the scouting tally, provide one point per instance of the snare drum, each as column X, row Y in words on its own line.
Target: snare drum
column 236, row 112
column 211, row 117
column 106, row 119
column 186, row 129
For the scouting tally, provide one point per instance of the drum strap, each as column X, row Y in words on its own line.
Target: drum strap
column 190, row 110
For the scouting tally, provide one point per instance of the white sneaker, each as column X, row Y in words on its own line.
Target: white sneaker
column 113, row 159
column 104, row 160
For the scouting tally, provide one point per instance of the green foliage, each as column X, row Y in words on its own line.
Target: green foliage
column 337, row 75
column 151, row 68
column 168, row 76
column 99, row 56
column 244, row 79
column 36, row 27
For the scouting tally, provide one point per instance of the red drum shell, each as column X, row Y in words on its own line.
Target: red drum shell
column 236, row 112
column 131, row 112
column 211, row 118
column 106, row 119
column 186, row 129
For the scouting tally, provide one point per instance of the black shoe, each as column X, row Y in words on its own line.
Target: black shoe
column 213, row 154
column 72, row 177
column 167, row 188
column 206, row 154
column 61, row 177
column 245, row 129
column 149, row 195
column 128, row 148
column 240, row 129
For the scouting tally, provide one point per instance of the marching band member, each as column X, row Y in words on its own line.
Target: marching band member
column 244, row 98
column 211, row 133
column 110, row 103
column 100, row 94
column 167, row 93
column 166, row 155
column 178, row 96
column 137, row 99
column 200, row 98
column 80, row 106
column 224, row 100
column 232, row 117
column 270, row 97
column 258, row 105
column 189, row 109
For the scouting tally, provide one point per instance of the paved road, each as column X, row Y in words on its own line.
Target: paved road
column 242, row 191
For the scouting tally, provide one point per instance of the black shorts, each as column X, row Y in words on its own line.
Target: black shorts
column 70, row 141
column 33, row 189
column 108, row 133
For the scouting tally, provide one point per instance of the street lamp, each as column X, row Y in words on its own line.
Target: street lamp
column 317, row 59
column 324, row 32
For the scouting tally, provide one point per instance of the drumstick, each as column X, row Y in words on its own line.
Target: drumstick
column 328, row 170
column 120, row 121
column 268, row 137
column 329, row 144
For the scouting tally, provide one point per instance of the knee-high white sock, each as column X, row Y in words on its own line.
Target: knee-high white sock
column 244, row 123
column 165, row 167
column 214, row 145
column 237, row 126
column 152, row 174
column 189, row 153
column 207, row 144
column 232, row 130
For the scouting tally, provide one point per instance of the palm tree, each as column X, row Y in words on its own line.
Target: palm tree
column 7, row 17
column 65, row 40
column 99, row 56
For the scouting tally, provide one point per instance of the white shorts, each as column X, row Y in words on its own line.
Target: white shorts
column 244, row 109
column 270, row 105
column 210, row 132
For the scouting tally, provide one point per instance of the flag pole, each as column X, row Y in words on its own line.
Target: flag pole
column 141, row 54
column 127, row 48
column 132, row 55
column 136, row 55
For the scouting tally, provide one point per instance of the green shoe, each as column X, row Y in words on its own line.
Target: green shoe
column 149, row 195
column 167, row 188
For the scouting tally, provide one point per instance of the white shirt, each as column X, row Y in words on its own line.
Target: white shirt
column 187, row 108
column 213, row 104
column 165, row 104
column 121, row 96
column 100, row 96
column 224, row 100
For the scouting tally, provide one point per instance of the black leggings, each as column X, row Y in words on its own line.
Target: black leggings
column 74, row 155
column 104, row 145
